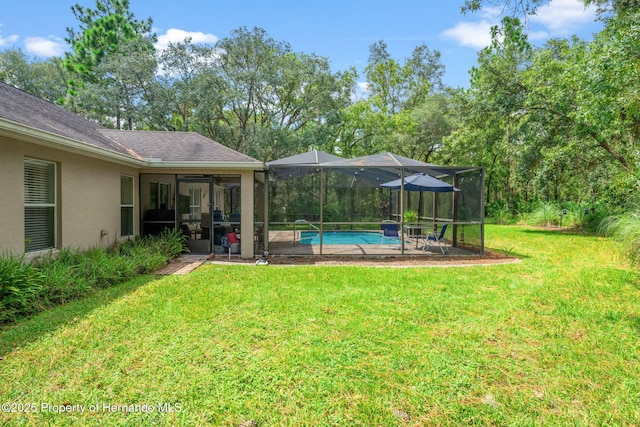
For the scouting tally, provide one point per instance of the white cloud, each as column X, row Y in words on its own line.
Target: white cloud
column 40, row 46
column 558, row 18
column 174, row 35
column 6, row 41
column 538, row 35
column 563, row 17
column 363, row 86
column 476, row 35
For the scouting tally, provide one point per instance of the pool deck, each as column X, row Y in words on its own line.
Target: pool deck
column 282, row 243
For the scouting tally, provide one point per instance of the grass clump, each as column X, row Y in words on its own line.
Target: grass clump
column 545, row 215
column 625, row 228
column 28, row 288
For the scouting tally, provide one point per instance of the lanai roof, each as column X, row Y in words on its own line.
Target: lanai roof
column 312, row 157
column 376, row 168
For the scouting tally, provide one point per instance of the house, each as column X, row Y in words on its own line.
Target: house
column 68, row 182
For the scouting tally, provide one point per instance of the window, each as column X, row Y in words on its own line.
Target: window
column 126, row 205
column 39, row 205
column 158, row 195
column 164, row 195
column 153, row 195
column 194, row 203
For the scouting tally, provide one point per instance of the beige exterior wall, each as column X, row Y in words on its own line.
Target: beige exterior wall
column 247, row 213
column 88, row 197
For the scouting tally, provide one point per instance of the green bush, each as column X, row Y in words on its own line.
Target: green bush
column 498, row 212
column 61, row 282
column 20, row 285
column 546, row 214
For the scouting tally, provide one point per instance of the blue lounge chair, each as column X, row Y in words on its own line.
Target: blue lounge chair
column 390, row 232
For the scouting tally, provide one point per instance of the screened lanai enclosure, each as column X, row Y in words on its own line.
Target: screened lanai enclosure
column 385, row 204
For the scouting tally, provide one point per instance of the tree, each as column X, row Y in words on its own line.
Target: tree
column 125, row 89
column 390, row 117
column 191, row 93
column 46, row 79
column 497, row 85
column 107, row 34
column 272, row 96
column 102, row 32
column 607, row 84
column 528, row 7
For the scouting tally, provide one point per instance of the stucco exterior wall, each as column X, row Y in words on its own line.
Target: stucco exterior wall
column 247, row 213
column 88, row 197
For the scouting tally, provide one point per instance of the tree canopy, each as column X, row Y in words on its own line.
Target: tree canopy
column 555, row 122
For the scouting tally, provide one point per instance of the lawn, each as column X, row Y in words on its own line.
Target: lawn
column 552, row 340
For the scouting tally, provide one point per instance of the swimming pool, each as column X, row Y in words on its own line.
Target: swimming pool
column 341, row 238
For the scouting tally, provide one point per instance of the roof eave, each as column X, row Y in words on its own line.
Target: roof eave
column 43, row 138
column 161, row 164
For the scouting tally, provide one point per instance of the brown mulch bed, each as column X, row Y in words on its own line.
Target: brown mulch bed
column 489, row 258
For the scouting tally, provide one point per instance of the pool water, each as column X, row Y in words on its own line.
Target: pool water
column 342, row 238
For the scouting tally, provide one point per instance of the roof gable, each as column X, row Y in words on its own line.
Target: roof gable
column 29, row 110
column 168, row 146
column 20, row 107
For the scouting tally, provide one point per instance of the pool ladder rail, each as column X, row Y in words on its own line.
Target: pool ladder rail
column 302, row 222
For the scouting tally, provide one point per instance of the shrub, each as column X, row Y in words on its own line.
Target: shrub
column 545, row 215
column 20, row 284
column 498, row 212
column 61, row 283
column 72, row 274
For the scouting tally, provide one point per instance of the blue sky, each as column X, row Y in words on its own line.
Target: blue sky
column 339, row 30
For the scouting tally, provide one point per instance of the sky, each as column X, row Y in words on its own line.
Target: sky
column 341, row 31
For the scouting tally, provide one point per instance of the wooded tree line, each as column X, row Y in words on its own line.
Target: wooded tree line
column 557, row 122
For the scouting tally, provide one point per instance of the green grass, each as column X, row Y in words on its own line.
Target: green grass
column 552, row 340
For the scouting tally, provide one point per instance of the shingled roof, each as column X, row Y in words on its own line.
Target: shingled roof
column 175, row 146
column 25, row 109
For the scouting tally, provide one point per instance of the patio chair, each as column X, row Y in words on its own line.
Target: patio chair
column 390, row 232
column 433, row 238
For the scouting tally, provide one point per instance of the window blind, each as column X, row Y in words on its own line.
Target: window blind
column 39, row 205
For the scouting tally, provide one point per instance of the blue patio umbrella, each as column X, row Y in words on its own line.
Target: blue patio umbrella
column 421, row 182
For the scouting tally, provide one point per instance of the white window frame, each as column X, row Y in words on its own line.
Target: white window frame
column 124, row 204
column 42, row 204
column 160, row 186
column 168, row 194
column 194, row 202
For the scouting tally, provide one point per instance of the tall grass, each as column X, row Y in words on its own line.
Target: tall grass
column 547, row 214
column 625, row 228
